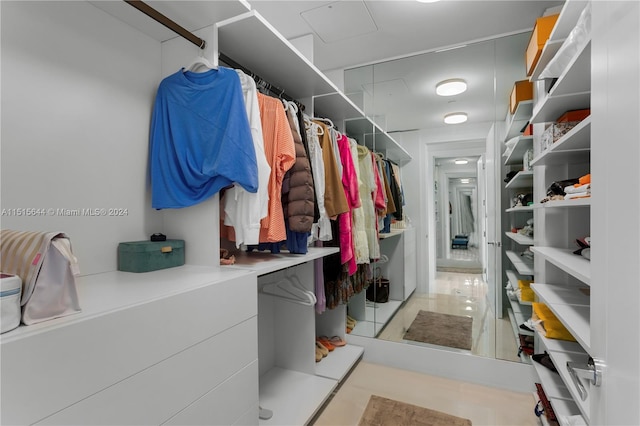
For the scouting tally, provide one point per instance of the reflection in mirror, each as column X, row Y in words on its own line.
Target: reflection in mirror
column 461, row 310
column 458, row 223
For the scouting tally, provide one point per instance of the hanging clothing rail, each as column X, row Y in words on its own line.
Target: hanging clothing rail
column 183, row 32
column 260, row 82
column 159, row 17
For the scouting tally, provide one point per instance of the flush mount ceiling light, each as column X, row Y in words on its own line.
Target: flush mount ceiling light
column 464, row 181
column 455, row 118
column 461, row 161
column 451, row 87
column 427, row 1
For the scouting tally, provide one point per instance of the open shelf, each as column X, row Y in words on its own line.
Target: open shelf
column 557, row 345
column 561, row 30
column 264, row 262
column 571, row 90
column 524, row 143
column 513, row 279
column 555, row 106
column 576, row 202
column 520, row 209
column 523, row 266
column 523, row 179
column 571, row 307
column 523, row 240
column 560, row 360
column 237, row 38
column 337, row 106
column 293, row 397
column 339, row 362
column 564, row 259
column 574, row 147
column 552, row 383
column 517, row 319
column 368, row 133
column 394, row 232
column 516, row 121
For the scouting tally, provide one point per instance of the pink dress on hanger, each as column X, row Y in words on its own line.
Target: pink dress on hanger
column 345, row 220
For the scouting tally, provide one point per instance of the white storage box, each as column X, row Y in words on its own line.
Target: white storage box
column 10, row 293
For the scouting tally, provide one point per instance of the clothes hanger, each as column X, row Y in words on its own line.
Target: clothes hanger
column 313, row 126
column 199, row 63
column 296, row 283
column 285, row 290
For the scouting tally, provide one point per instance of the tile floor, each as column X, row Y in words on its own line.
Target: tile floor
column 459, row 294
column 480, row 404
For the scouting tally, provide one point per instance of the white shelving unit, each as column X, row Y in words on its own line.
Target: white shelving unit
column 562, row 278
column 517, row 217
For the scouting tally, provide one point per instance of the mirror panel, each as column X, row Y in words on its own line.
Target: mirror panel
column 399, row 96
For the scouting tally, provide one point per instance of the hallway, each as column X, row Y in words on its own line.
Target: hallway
column 461, row 294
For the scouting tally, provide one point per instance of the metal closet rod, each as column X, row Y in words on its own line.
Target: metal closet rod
column 159, row 17
column 173, row 26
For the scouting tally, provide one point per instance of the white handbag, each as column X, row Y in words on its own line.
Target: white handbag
column 46, row 264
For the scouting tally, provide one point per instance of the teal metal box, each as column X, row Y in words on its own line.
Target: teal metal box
column 146, row 256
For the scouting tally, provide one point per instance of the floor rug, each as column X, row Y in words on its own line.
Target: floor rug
column 453, row 331
column 387, row 412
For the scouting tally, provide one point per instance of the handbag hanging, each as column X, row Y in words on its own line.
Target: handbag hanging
column 46, row 264
column 378, row 289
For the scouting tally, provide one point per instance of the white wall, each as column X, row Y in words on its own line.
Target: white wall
column 77, row 94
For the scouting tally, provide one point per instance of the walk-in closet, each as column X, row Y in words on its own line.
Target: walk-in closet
column 299, row 204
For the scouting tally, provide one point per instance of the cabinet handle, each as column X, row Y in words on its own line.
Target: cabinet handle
column 591, row 371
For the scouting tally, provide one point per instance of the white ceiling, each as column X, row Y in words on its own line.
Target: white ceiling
column 352, row 33
column 401, row 92
column 403, row 26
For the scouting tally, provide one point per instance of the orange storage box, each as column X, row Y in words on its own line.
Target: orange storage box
column 539, row 36
column 574, row 115
column 522, row 91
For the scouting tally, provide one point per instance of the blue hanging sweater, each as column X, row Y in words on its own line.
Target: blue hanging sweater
column 200, row 138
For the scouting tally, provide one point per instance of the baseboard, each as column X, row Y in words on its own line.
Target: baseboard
column 508, row 375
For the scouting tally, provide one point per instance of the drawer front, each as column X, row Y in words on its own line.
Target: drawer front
column 49, row 371
column 226, row 404
column 159, row 392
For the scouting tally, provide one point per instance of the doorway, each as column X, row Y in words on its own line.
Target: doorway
column 457, row 215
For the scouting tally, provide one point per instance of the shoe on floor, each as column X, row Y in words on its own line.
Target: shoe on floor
column 324, row 351
column 326, row 343
column 338, row 341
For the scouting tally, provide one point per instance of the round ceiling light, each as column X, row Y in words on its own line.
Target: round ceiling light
column 455, row 118
column 451, row 87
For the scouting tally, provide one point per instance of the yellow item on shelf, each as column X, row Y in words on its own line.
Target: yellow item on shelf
column 524, row 283
column 526, row 293
column 553, row 327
